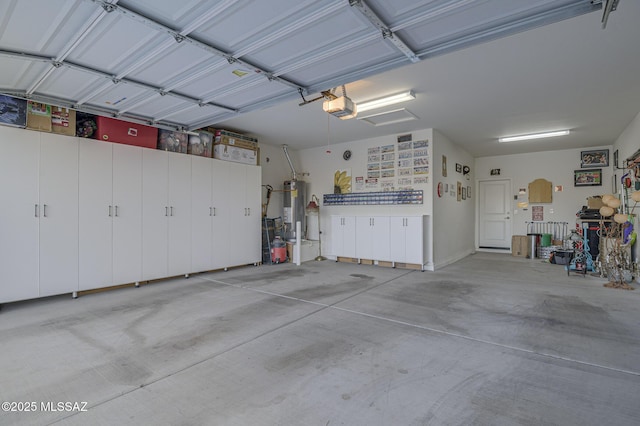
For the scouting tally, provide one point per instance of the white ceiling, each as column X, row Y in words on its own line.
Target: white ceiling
column 481, row 70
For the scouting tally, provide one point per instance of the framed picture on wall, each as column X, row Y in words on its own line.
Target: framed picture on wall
column 591, row 177
column 595, row 158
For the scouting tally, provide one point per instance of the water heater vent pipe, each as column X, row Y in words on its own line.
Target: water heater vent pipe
column 286, row 153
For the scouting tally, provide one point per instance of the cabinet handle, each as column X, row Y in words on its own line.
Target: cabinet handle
column 116, row 211
column 210, row 211
column 214, row 211
column 166, row 211
column 171, row 209
column 109, row 211
column 248, row 211
column 36, row 211
column 44, row 210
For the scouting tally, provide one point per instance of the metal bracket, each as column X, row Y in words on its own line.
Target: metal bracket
column 108, row 7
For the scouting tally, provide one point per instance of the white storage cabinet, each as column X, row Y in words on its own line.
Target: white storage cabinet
column 39, row 218
column 372, row 238
column 110, row 218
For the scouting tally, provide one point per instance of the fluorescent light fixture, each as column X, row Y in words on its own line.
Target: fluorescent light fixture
column 534, row 136
column 388, row 100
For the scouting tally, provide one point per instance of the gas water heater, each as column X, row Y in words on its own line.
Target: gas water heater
column 294, row 203
column 294, row 208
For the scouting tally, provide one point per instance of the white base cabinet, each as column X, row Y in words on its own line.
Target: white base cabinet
column 397, row 239
column 372, row 238
column 407, row 240
column 343, row 236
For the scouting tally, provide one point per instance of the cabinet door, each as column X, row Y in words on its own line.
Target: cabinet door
column 19, row 222
column 201, row 213
column 414, row 240
column 252, row 227
column 155, row 213
column 398, row 238
column 229, row 205
column 95, row 215
column 127, row 214
column 336, row 248
column 349, row 236
column 179, row 223
column 59, row 219
column 380, row 238
column 343, row 236
column 364, row 237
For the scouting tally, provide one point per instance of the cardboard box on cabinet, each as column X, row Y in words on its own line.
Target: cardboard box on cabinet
column 235, row 154
column 124, row 132
column 201, row 143
column 173, row 141
column 63, row 121
column 235, row 139
column 13, row 111
column 38, row 116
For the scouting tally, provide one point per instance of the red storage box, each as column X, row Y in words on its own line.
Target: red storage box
column 118, row 131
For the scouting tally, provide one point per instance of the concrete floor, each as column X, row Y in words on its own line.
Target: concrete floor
column 489, row 340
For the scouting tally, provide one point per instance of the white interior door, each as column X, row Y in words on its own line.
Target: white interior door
column 494, row 214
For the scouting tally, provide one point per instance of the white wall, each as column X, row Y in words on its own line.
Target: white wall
column 319, row 168
column 275, row 170
column 453, row 221
column 554, row 166
column 629, row 140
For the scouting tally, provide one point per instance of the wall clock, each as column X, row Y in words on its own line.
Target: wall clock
column 346, row 155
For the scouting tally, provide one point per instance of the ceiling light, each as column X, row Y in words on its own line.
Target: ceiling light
column 388, row 100
column 534, row 136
